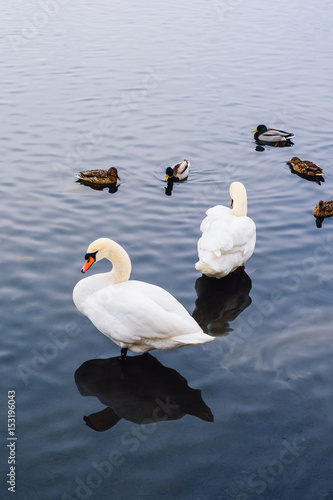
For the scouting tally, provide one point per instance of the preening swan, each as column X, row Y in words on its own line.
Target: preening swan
column 136, row 315
column 228, row 236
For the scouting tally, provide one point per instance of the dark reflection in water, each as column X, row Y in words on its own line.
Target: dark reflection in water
column 260, row 145
column 169, row 188
column 113, row 188
column 319, row 221
column 315, row 178
column 220, row 301
column 141, row 390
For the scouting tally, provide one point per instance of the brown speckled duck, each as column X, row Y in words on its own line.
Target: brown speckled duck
column 323, row 209
column 100, row 177
column 306, row 168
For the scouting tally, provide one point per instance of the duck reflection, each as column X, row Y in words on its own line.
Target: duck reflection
column 220, row 301
column 140, row 390
column 169, row 188
column 318, row 179
column 113, row 188
column 260, row 145
column 319, row 222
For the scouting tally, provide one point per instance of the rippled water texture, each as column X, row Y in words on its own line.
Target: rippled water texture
column 142, row 86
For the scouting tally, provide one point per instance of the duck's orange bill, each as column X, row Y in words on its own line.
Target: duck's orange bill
column 89, row 263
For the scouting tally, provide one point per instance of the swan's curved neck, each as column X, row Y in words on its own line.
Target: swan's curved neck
column 240, row 207
column 238, row 195
column 120, row 260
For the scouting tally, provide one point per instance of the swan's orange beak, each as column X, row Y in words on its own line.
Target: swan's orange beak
column 89, row 263
column 232, row 203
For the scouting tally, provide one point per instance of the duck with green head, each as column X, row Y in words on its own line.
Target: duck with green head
column 178, row 172
column 271, row 135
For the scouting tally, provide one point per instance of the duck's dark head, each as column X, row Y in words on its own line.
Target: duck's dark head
column 317, row 211
column 260, row 129
column 113, row 174
column 168, row 174
column 293, row 160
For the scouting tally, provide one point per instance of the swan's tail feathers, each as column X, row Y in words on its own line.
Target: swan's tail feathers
column 193, row 338
column 204, row 268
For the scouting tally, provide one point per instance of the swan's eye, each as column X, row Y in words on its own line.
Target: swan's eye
column 91, row 254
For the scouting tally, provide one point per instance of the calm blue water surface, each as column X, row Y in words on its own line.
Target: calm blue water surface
column 141, row 87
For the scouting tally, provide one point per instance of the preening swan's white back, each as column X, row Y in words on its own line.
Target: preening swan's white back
column 228, row 236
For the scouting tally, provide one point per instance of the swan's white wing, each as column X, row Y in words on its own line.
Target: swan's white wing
column 226, row 233
column 227, row 242
column 139, row 313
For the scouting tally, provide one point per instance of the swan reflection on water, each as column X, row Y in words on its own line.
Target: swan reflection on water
column 220, row 301
column 140, row 390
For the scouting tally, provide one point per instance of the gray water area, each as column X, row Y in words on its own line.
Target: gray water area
column 93, row 84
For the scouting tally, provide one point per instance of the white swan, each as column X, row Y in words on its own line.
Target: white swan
column 136, row 315
column 228, row 236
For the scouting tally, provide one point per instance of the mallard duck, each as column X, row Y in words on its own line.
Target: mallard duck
column 323, row 209
column 178, row 172
column 228, row 236
column 136, row 315
column 101, row 177
column 306, row 168
column 271, row 135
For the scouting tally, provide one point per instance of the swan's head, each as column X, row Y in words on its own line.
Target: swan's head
column 104, row 248
column 168, row 173
column 94, row 253
column 238, row 198
column 97, row 250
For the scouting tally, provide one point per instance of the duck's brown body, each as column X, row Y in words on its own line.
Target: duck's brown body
column 323, row 209
column 307, row 168
column 180, row 170
column 100, row 177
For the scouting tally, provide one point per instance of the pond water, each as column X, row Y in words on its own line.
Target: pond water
column 141, row 87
